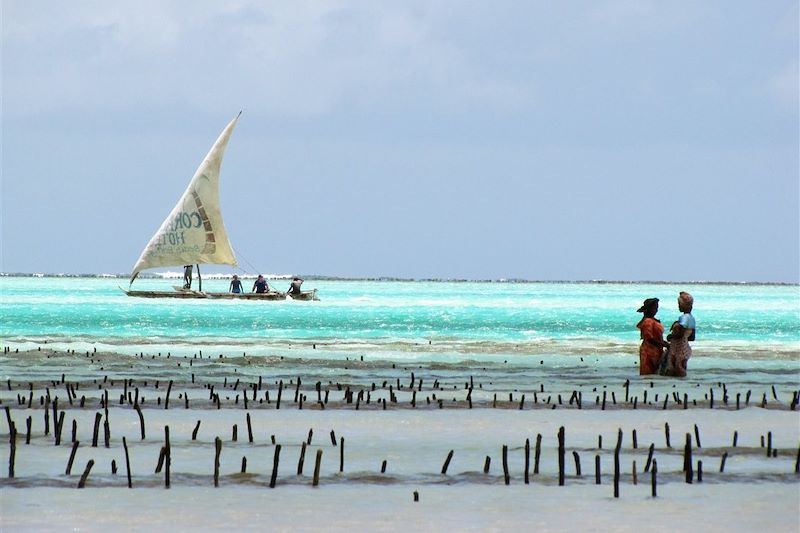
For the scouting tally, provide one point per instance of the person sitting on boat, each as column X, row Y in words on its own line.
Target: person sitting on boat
column 294, row 288
column 260, row 286
column 236, row 285
column 187, row 276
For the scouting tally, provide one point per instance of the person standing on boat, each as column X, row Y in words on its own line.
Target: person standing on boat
column 187, row 276
column 236, row 285
column 260, row 286
column 294, row 288
column 652, row 333
column 681, row 333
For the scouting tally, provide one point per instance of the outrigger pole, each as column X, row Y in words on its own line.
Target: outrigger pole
column 199, row 279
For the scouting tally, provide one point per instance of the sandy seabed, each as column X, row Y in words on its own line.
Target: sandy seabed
column 413, row 432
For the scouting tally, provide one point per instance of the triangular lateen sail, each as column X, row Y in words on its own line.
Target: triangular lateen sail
column 193, row 233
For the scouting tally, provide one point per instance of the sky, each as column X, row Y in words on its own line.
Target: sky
column 581, row 140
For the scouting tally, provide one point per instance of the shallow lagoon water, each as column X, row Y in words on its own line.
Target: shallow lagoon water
column 542, row 340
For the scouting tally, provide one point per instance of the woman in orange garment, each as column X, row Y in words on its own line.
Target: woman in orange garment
column 652, row 332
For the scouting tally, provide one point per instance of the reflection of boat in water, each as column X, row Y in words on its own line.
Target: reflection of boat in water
column 194, row 234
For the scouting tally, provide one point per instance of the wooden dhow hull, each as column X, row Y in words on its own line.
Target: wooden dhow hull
column 305, row 296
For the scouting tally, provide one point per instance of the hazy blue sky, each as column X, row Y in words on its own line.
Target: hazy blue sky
column 542, row 140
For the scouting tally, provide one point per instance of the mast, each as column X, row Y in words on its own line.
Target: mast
column 199, row 279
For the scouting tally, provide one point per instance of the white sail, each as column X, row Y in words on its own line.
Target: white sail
column 193, row 233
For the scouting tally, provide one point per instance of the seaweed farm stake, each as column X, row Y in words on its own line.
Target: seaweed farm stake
column 561, row 456
column 577, row 459
column 447, row 462
column 28, row 422
column 341, row 454
column 649, row 457
column 687, row 459
column 488, row 462
column 97, row 418
column 141, row 417
column 527, row 460
column 218, row 450
column 249, row 429
column 71, row 457
column 167, row 454
column 537, row 453
column 194, row 432
column 275, row 460
column 653, row 474
column 12, row 438
column 59, row 426
column 697, row 435
column 317, row 463
column 85, row 474
column 597, row 469
column 666, row 432
column 722, row 462
column 302, row 459
column 127, row 462
column 616, row 463
column 166, row 398
column 505, row 465
column 383, row 467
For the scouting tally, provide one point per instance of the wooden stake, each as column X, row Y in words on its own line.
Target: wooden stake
column 577, row 459
column 597, row 469
column 653, row 475
column 275, row 460
column 166, row 398
column 301, row 460
column 616, row 464
column 687, row 459
column 561, row 456
column 447, row 462
column 218, row 450
column 127, row 462
column 527, row 460
column 141, row 417
column 341, row 454
column 167, row 455
column 649, row 457
column 488, row 462
column 317, row 462
column 722, row 462
column 12, row 438
column 537, row 453
column 505, row 465
column 71, row 458
column 82, row 482
column 97, row 418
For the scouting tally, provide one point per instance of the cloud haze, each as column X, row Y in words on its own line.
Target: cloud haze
column 575, row 140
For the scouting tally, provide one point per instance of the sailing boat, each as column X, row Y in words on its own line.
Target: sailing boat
column 194, row 234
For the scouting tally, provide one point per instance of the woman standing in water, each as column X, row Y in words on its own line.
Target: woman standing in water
column 652, row 333
column 682, row 332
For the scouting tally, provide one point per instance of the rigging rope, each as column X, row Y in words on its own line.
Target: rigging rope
column 238, row 254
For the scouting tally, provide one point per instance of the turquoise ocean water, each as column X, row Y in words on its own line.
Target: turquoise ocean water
column 423, row 320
